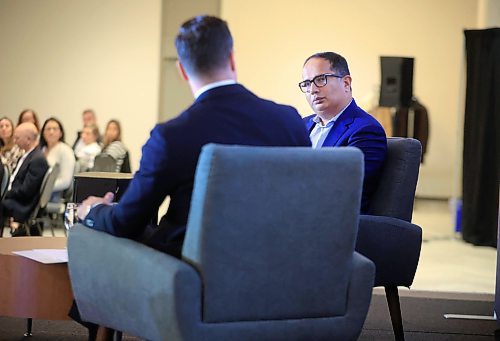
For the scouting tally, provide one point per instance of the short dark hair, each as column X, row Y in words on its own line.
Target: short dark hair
column 338, row 64
column 43, row 142
column 204, row 44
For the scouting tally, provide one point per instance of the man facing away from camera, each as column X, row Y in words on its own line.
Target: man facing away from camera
column 223, row 112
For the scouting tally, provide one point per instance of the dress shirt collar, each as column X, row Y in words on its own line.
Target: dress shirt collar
column 213, row 85
column 318, row 121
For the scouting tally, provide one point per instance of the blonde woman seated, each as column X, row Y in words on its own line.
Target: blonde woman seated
column 114, row 147
column 58, row 152
column 86, row 155
column 10, row 153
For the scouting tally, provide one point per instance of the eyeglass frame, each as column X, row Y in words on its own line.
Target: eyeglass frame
column 311, row 81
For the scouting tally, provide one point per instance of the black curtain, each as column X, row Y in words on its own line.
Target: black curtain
column 481, row 153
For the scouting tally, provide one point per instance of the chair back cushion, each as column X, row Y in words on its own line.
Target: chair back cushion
column 48, row 183
column 104, row 163
column 271, row 230
column 395, row 194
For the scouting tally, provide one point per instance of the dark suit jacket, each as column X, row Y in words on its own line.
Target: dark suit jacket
column 25, row 192
column 356, row 128
column 228, row 115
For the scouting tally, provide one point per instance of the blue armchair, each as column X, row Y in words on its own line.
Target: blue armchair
column 387, row 236
column 268, row 254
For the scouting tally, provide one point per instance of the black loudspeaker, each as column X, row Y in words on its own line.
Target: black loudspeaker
column 396, row 89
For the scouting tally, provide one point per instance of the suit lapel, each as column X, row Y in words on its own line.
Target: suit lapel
column 22, row 170
column 340, row 126
column 310, row 124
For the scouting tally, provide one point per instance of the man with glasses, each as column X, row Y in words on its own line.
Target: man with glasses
column 337, row 120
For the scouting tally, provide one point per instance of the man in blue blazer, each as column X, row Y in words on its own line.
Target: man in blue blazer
column 337, row 120
column 223, row 112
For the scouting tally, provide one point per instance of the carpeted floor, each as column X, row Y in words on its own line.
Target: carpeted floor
column 12, row 329
column 422, row 317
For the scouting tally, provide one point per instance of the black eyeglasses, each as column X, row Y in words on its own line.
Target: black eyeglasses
column 319, row 81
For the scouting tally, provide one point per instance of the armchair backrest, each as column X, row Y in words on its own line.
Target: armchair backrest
column 272, row 230
column 395, row 194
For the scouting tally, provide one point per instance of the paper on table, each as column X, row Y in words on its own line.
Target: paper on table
column 46, row 256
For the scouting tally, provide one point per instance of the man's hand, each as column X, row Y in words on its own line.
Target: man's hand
column 87, row 204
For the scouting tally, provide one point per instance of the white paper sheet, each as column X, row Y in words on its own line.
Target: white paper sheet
column 45, row 256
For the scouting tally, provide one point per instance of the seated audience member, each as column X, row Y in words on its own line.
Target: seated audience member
column 87, row 153
column 26, row 180
column 58, row 152
column 337, row 120
column 88, row 119
column 114, row 147
column 10, row 152
column 29, row 115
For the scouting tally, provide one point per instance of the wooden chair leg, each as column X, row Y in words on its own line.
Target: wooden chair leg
column 29, row 326
column 108, row 334
column 3, row 221
column 391, row 293
column 27, row 228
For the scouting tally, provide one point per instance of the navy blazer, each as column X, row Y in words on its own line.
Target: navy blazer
column 228, row 115
column 357, row 128
column 25, row 191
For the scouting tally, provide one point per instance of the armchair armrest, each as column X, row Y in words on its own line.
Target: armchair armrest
column 148, row 286
column 393, row 245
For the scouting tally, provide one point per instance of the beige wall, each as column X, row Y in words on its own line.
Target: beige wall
column 60, row 57
column 175, row 94
column 272, row 39
column 488, row 13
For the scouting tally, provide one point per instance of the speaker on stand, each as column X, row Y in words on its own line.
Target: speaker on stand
column 396, row 87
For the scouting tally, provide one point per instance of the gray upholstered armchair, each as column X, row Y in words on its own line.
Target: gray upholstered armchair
column 269, row 254
column 387, row 236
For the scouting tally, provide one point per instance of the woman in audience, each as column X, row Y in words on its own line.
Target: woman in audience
column 114, row 147
column 91, row 148
column 58, row 152
column 10, row 152
column 29, row 115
